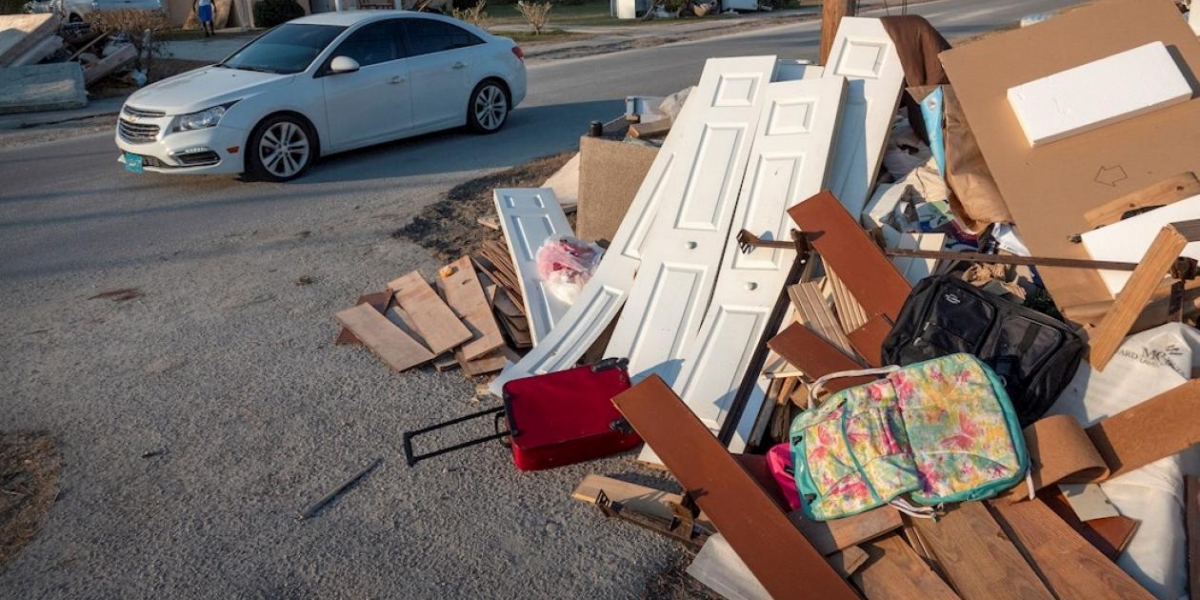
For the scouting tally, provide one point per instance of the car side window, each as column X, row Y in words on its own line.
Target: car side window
column 426, row 36
column 372, row 44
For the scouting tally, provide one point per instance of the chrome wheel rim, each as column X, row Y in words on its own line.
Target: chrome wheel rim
column 490, row 107
column 284, row 149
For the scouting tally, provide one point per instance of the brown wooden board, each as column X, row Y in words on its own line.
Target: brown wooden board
column 1050, row 188
column 810, row 353
column 445, row 362
column 1191, row 499
column 868, row 339
column 784, row 562
column 1109, row 535
column 845, row 247
column 1139, row 289
column 830, row 536
column 488, row 363
column 463, row 293
column 404, row 321
column 813, row 311
column 399, row 351
column 894, row 572
column 645, row 500
column 378, row 301
column 437, row 324
column 849, row 312
column 981, row 563
column 1157, row 428
column 1070, row 567
column 1168, row 191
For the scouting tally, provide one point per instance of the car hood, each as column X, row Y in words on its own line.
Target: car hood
column 203, row 88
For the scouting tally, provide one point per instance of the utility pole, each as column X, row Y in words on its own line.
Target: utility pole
column 832, row 12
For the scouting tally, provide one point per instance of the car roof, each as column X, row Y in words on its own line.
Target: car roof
column 350, row 18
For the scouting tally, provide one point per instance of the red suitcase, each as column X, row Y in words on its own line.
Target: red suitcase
column 554, row 419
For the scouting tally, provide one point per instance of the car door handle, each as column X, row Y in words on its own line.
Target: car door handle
column 396, row 80
column 460, row 65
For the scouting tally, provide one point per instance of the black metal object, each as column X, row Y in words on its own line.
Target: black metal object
column 313, row 510
column 498, row 413
column 681, row 526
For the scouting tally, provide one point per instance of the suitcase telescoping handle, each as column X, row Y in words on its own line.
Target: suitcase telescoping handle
column 413, row 458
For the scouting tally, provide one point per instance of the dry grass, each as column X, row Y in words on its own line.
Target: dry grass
column 29, row 467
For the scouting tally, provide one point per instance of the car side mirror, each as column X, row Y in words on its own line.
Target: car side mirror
column 343, row 64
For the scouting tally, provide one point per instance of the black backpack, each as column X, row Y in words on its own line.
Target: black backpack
column 1035, row 355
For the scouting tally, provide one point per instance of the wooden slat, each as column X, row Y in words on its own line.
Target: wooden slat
column 894, row 572
column 848, row 561
column 504, row 303
column 1157, row 428
column 437, row 324
column 1138, row 290
column 463, row 293
column 445, row 362
column 1071, row 567
column 845, row 247
column 378, row 301
column 396, row 315
column 830, row 536
column 645, row 500
column 775, row 551
column 1191, row 499
column 979, row 561
column 813, row 311
column 868, row 339
column 1109, row 535
column 488, row 363
column 399, row 351
column 810, row 353
column 1167, row 191
column 518, row 331
column 849, row 312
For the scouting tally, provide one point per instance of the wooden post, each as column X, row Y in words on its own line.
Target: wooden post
column 832, row 12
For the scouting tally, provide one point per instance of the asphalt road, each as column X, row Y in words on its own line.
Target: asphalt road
column 224, row 367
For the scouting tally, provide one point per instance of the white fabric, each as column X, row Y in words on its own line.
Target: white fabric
column 1147, row 364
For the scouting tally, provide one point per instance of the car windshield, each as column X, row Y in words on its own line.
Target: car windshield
column 289, row 48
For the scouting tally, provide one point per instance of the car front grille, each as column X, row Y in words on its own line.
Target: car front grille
column 137, row 133
column 143, row 113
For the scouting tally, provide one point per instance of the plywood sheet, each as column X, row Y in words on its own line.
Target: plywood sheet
column 894, row 571
column 463, row 293
column 1072, row 176
column 399, row 351
column 437, row 324
column 830, row 536
column 379, row 301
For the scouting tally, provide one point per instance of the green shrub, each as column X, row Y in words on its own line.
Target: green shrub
column 269, row 13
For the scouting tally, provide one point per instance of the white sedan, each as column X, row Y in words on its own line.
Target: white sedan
column 318, row 85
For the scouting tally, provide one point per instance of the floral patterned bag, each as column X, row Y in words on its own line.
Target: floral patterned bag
column 938, row 431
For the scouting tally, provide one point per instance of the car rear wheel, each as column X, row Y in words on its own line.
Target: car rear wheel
column 488, row 109
column 281, row 148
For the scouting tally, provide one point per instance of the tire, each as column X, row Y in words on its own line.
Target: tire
column 488, row 108
column 281, row 148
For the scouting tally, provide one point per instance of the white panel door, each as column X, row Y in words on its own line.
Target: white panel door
column 863, row 53
column 789, row 163
column 605, row 293
column 685, row 243
column 528, row 217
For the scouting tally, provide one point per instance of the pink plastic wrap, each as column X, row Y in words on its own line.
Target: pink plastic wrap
column 566, row 264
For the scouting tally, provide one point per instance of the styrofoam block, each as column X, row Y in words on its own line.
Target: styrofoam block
column 1105, row 91
column 1128, row 240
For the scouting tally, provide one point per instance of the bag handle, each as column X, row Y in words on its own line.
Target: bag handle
column 815, row 388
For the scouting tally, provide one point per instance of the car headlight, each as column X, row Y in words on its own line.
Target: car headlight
column 204, row 119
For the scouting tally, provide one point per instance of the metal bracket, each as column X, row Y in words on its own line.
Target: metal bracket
column 682, row 526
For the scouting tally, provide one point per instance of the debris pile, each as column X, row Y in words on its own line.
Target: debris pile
column 944, row 350
column 46, row 64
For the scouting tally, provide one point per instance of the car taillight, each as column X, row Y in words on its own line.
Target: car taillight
column 519, row 53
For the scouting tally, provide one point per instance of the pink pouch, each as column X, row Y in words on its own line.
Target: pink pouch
column 779, row 463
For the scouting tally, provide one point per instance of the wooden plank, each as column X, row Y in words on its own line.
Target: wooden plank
column 979, row 561
column 813, row 311
column 1109, row 535
column 1137, row 292
column 848, row 561
column 810, row 353
column 832, row 12
column 645, row 500
column 399, row 351
column 36, row 88
column 1071, row 567
column 437, row 324
column 845, row 247
column 1122, row 439
column 720, row 569
column 519, row 336
column 849, row 312
column 507, row 307
column 894, row 571
column 868, row 339
column 653, row 129
column 775, row 551
column 830, row 536
column 378, row 301
column 445, row 362
column 488, row 363
column 490, row 222
column 463, row 293
column 404, row 322
column 1191, row 500
column 1168, row 191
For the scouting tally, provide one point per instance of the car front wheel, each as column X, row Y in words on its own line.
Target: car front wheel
column 280, row 149
column 488, row 109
